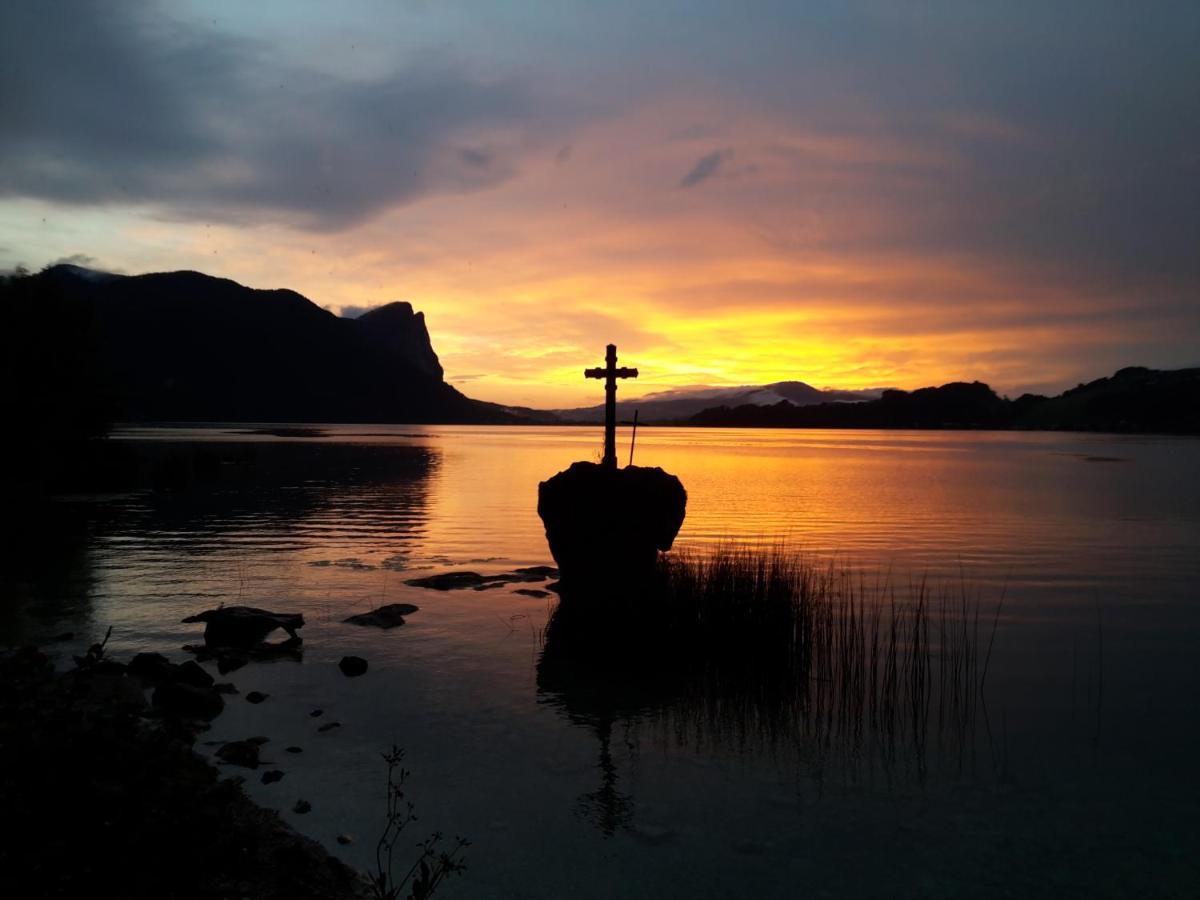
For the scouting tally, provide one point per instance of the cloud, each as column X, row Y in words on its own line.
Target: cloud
column 353, row 312
column 706, row 167
column 105, row 107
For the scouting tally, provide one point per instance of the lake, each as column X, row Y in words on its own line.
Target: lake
column 1077, row 777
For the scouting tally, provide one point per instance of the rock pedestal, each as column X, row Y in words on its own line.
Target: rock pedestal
column 606, row 526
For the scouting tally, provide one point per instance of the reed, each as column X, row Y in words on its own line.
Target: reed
column 782, row 646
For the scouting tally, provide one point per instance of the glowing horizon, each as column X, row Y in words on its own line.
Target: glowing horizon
column 855, row 199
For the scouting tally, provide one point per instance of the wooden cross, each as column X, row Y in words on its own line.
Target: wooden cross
column 610, row 373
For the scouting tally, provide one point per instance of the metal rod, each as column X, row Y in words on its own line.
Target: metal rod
column 633, row 437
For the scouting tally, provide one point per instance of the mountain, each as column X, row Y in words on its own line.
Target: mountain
column 681, row 403
column 184, row 346
column 1134, row 400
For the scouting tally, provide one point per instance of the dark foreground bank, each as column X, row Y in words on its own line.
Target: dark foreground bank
column 103, row 795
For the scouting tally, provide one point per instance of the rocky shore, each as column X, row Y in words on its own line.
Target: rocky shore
column 103, row 793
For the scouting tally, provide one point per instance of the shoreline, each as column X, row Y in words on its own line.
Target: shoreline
column 106, row 791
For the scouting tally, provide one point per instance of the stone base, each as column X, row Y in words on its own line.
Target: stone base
column 606, row 526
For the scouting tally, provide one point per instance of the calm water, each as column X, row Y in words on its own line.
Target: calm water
column 1077, row 779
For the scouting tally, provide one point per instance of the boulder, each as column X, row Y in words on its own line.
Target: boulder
column 606, row 526
column 353, row 666
column 190, row 673
column 385, row 617
column 150, row 667
column 244, row 626
column 240, row 753
column 178, row 698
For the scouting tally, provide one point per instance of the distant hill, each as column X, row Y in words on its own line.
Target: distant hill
column 183, row 346
column 1136, row 400
column 681, row 403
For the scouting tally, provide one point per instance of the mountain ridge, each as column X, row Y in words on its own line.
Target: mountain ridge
column 186, row 346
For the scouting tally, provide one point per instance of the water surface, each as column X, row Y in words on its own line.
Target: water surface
column 1077, row 778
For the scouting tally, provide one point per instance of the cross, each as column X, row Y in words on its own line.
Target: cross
column 610, row 373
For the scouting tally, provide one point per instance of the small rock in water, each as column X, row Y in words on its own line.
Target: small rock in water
column 244, row 626
column 532, row 592
column 353, row 666
column 329, row 726
column 240, row 753
column 447, row 581
column 272, row 776
column 317, row 712
column 344, row 839
column 490, row 586
column 541, row 572
column 385, row 617
column 301, row 807
column 256, row 697
column 294, row 749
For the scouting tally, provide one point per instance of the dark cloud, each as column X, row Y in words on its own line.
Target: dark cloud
column 706, row 167
column 105, row 107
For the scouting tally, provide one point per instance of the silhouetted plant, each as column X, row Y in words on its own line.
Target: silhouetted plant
column 433, row 864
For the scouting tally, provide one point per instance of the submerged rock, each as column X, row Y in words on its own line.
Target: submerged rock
column 456, row 581
column 385, row 617
column 606, row 526
column 271, row 776
column 353, row 666
column 256, row 697
column 448, row 581
column 244, row 626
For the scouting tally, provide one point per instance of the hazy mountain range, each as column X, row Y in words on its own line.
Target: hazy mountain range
column 682, row 403
column 1134, row 400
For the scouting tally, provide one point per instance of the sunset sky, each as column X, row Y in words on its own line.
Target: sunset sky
column 849, row 194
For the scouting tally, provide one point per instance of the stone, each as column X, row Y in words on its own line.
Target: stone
column 329, row 726
column 302, row 807
column 181, row 699
column 271, row 776
column 294, row 749
column 531, row 592
column 606, row 526
column 316, row 713
column 540, row 572
column 239, row 753
column 457, row 581
column 447, row 581
column 151, row 667
column 256, row 697
column 244, row 626
column 191, row 673
column 345, row 839
column 353, row 666
column 385, row 617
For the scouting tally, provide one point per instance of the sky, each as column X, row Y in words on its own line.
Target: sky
column 849, row 194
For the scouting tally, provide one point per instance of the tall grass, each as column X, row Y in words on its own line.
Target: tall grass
column 851, row 659
column 750, row 644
